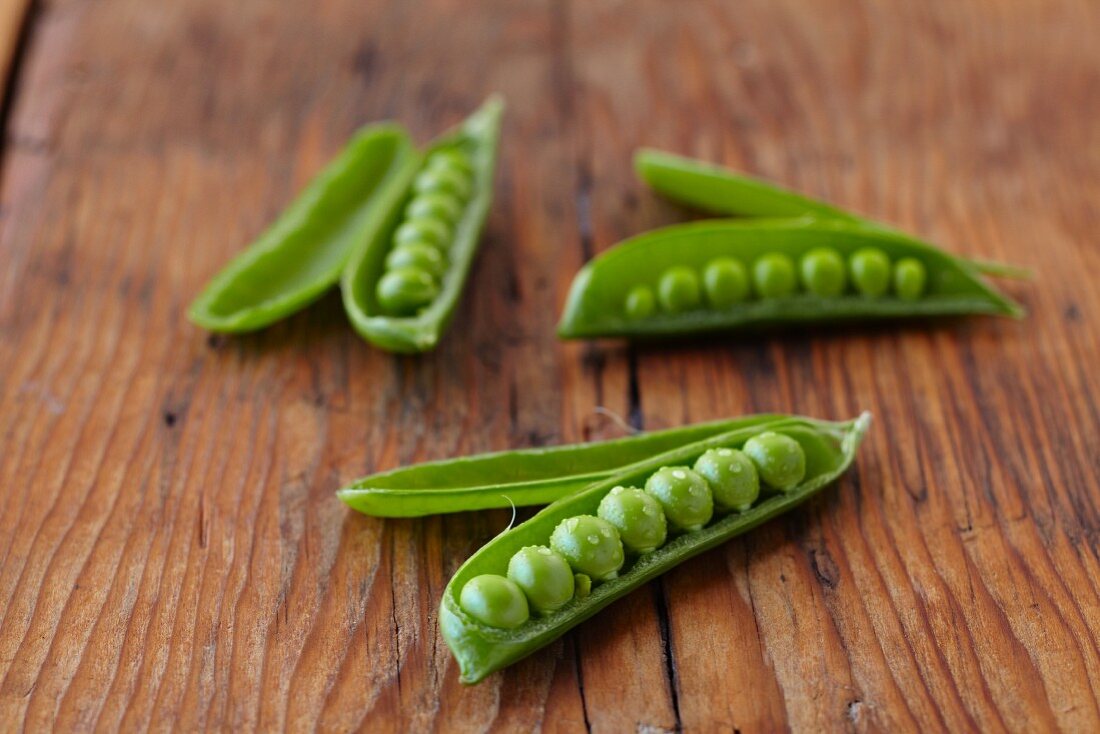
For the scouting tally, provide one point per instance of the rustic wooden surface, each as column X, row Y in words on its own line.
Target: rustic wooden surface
column 171, row 552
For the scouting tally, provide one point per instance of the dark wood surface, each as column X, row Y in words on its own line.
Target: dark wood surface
column 171, row 552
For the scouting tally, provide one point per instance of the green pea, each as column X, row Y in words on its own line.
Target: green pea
column 442, row 207
column 640, row 302
column 544, row 576
column 726, row 282
column 583, row 584
column 637, row 516
column 870, row 271
column 417, row 255
column 678, row 289
column 590, row 544
column 779, row 459
column 823, row 272
column 909, row 279
column 452, row 158
column 773, row 275
column 732, row 477
column 443, row 180
column 684, row 496
column 404, row 291
column 426, row 231
column 495, row 601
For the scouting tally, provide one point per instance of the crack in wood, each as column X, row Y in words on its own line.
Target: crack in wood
column 665, row 633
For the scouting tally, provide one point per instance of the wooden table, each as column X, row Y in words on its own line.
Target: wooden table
column 171, row 552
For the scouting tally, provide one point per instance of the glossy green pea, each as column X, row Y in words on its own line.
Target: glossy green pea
column 732, row 477
column 780, row 460
column 637, row 516
column 406, row 290
column 678, row 290
column 417, row 255
column 870, row 268
column 823, row 272
column 495, row 601
column 909, row 278
column 423, row 231
column 684, row 496
column 453, row 159
column 442, row 207
column 726, row 282
column 640, row 303
column 544, row 576
column 590, row 544
column 773, row 275
column 443, row 180
column 480, row 649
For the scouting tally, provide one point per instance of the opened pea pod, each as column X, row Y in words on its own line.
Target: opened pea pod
column 729, row 274
column 398, row 229
column 719, row 190
column 304, row 252
column 401, row 287
column 523, row 477
column 538, row 579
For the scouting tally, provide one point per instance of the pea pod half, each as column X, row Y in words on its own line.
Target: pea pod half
column 402, row 285
column 720, row 190
column 304, row 252
column 524, row 477
column 485, row 615
column 730, row 274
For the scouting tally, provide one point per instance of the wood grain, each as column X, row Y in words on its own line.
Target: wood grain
column 13, row 22
column 171, row 553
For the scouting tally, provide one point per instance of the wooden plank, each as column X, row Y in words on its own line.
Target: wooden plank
column 170, row 549
column 817, row 96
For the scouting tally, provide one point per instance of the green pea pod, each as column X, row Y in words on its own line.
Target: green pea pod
column 521, row 478
column 597, row 305
column 476, row 140
column 303, row 253
column 481, row 649
column 720, row 190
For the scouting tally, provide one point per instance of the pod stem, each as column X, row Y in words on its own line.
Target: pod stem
column 1001, row 270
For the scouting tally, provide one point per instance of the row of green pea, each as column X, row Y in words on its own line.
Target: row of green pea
column 589, row 549
column 418, row 261
column 821, row 272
